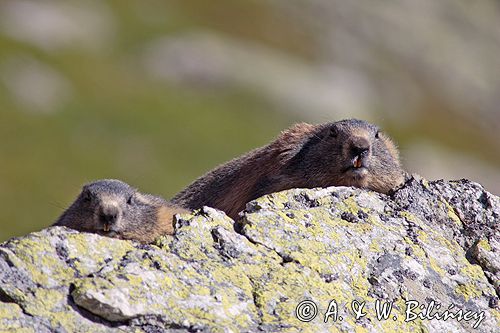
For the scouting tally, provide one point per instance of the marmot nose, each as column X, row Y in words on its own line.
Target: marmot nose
column 108, row 215
column 360, row 147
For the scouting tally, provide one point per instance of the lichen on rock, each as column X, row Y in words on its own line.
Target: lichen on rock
column 427, row 242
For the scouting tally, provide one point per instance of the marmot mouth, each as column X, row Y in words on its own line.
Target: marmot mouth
column 109, row 229
column 109, row 233
column 358, row 166
column 112, row 234
column 359, row 172
column 356, row 173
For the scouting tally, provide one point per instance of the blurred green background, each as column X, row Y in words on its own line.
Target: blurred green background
column 158, row 92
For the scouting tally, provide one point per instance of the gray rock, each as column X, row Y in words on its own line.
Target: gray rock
column 436, row 243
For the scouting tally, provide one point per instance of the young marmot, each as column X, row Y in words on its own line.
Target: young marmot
column 113, row 208
column 344, row 153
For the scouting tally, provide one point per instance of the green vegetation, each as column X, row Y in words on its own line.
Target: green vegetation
column 118, row 124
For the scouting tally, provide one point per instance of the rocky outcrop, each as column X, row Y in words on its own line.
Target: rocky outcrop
column 294, row 259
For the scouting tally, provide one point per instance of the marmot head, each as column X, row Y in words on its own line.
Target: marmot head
column 350, row 153
column 113, row 208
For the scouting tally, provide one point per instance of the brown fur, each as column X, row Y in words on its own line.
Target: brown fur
column 113, row 208
column 303, row 156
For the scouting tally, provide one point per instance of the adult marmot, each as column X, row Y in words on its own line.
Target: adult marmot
column 348, row 153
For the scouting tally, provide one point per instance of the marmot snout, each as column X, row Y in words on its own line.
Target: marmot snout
column 354, row 153
column 115, row 209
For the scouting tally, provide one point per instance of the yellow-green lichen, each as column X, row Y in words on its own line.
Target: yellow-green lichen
column 16, row 294
column 287, row 286
column 435, row 266
column 279, row 199
column 496, row 314
column 375, row 221
column 423, row 236
column 350, row 205
column 416, row 249
column 360, row 329
column 451, row 213
column 95, row 255
column 9, row 311
column 410, row 217
column 468, row 291
column 474, row 272
column 256, row 271
column 483, row 244
column 234, row 274
column 9, row 328
column 50, row 304
column 48, row 298
column 67, row 319
column 375, row 245
column 41, row 261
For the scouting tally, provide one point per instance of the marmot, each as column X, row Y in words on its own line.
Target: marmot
column 344, row 153
column 113, row 208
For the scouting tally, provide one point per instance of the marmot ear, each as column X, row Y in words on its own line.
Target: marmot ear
column 86, row 195
column 290, row 141
column 333, row 131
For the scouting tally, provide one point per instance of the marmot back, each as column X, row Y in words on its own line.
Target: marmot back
column 344, row 153
column 113, row 208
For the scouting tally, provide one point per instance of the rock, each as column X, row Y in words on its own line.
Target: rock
column 297, row 253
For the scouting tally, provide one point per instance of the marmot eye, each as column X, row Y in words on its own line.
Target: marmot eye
column 130, row 200
column 377, row 135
